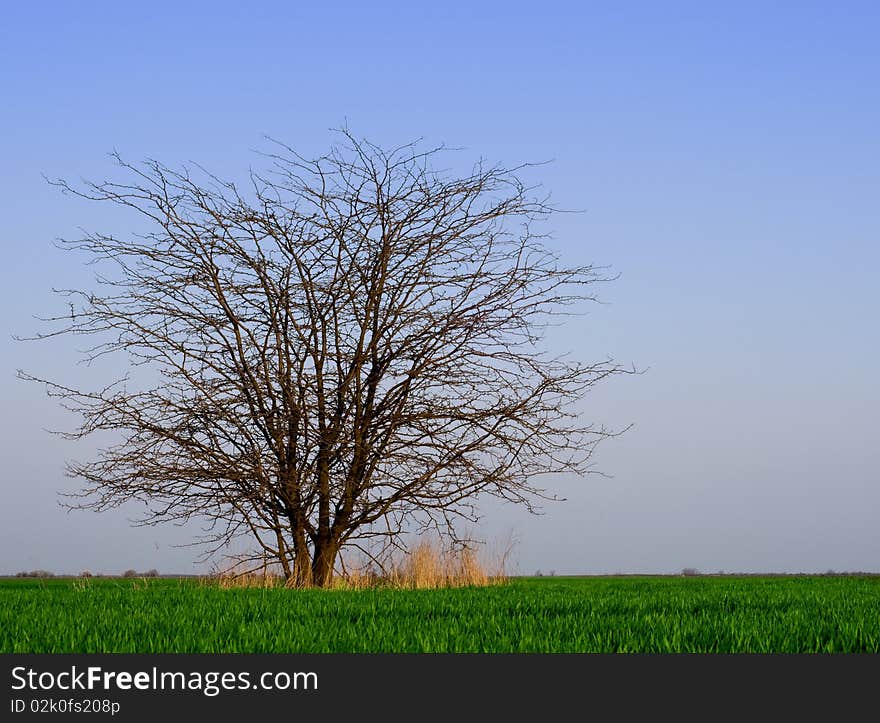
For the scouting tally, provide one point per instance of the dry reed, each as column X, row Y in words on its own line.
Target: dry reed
column 428, row 565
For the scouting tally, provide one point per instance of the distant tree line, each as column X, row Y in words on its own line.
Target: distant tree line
column 86, row 573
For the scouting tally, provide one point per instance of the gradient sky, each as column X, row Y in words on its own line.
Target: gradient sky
column 727, row 159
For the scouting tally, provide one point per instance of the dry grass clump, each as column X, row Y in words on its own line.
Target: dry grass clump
column 428, row 565
column 240, row 572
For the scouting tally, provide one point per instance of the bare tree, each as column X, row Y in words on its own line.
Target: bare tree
column 348, row 350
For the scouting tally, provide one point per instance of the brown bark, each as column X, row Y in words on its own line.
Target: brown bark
column 324, row 562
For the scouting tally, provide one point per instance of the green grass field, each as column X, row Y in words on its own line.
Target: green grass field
column 627, row 614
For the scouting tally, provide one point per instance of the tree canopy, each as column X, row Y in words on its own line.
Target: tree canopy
column 346, row 348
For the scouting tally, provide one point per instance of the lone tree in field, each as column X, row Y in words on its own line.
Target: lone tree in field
column 346, row 351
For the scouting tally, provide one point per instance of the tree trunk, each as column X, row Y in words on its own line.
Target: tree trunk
column 323, row 563
column 282, row 554
column 301, row 575
column 302, row 568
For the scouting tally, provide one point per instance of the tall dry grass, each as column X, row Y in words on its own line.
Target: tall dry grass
column 239, row 571
column 428, row 565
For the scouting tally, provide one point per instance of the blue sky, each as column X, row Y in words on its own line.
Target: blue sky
column 725, row 157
